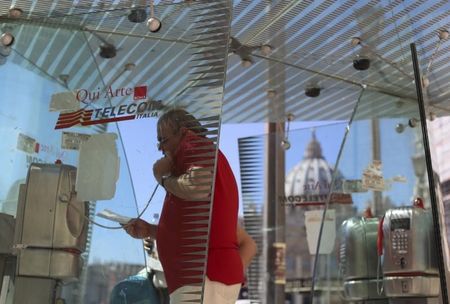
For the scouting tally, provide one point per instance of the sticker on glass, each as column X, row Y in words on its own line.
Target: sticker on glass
column 353, row 186
column 72, row 141
column 372, row 178
column 64, row 101
column 27, row 144
column 280, row 262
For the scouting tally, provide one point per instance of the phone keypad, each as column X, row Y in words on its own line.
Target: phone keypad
column 400, row 241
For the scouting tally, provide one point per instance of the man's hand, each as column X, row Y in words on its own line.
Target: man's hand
column 162, row 166
column 149, row 245
column 138, row 229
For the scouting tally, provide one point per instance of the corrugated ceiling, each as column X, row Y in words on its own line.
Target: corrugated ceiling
column 311, row 47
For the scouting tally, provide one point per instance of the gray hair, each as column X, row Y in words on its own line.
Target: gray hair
column 178, row 118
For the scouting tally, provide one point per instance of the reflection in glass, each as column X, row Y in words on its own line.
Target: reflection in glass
column 384, row 158
column 75, row 75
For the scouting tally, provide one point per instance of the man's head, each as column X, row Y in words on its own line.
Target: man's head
column 171, row 128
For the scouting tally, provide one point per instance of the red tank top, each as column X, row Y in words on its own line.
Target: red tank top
column 176, row 235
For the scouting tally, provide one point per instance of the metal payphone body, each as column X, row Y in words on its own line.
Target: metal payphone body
column 51, row 230
column 410, row 265
column 357, row 260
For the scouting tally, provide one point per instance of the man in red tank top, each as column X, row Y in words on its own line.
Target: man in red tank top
column 185, row 172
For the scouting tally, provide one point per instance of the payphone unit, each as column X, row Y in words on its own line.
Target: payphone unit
column 50, row 233
column 410, row 268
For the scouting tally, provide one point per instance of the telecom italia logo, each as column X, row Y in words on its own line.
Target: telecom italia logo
column 135, row 110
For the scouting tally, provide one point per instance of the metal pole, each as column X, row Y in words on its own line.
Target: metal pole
column 434, row 203
column 376, row 155
column 275, row 214
column 275, row 164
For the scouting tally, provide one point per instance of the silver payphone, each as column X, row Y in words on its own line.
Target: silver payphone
column 50, row 233
column 410, row 268
column 357, row 261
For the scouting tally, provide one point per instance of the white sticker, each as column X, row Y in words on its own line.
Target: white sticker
column 373, row 178
column 399, row 179
column 313, row 221
column 98, row 168
column 26, row 143
column 72, row 141
column 353, row 186
column 64, row 101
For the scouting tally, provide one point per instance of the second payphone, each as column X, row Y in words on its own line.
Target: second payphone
column 410, row 268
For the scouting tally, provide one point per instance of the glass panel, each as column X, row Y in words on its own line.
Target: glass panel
column 288, row 261
column 386, row 249
column 90, row 97
column 309, row 173
column 31, row 138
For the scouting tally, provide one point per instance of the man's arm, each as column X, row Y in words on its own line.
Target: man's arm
column 247, row 246
column 194, row 185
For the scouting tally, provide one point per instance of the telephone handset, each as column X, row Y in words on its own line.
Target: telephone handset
column 418, row 202
column 380, row 237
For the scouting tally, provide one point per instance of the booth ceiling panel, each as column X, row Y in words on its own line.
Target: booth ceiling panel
column 310, row 40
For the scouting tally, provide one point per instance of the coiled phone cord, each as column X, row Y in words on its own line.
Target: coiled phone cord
column 380, row 239
column 121, row 226
column 379, row 290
